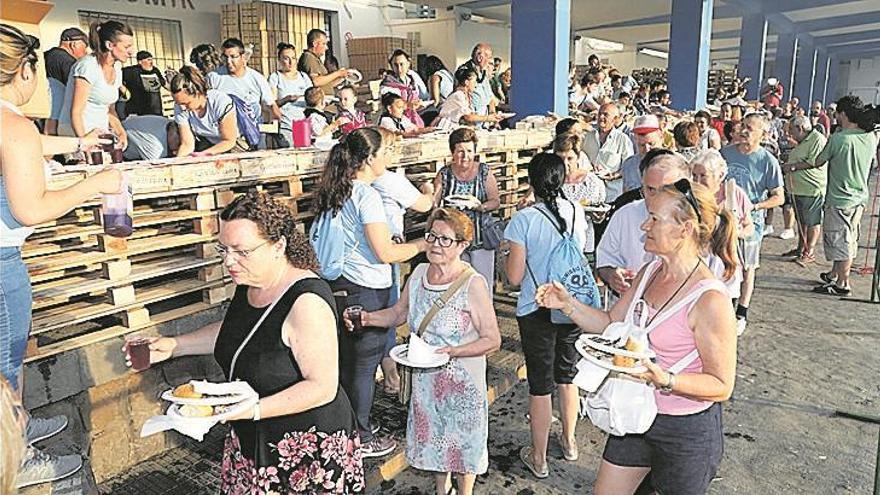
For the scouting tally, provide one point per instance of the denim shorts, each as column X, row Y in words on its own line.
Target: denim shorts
column 683, row 452
column 15, row 313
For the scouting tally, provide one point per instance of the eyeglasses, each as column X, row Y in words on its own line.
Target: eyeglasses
column 442, row 241
column 684, row 187
column 241, row 254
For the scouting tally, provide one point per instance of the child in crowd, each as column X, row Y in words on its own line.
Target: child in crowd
column 323, row 123
column 394, row 119
column 347, row 102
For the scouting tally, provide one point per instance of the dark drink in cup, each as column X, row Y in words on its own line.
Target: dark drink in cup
column 109, row 146
column 354, row 314
column 138, row 349
column 116, row 155
column 97, row 157
column 117, row 224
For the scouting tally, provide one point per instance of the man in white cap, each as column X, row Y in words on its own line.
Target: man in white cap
column 647, row 136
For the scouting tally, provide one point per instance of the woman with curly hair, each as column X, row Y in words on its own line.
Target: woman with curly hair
column 279, row 336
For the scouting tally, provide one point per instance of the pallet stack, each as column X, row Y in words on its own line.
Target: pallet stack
column 90, row 288
column 265, row 24
column 369, row 55
column 720, row 78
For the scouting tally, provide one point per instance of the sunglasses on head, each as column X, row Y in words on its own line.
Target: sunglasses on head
column 683, row 186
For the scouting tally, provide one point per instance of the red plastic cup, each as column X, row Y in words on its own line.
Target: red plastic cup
column 138, row 350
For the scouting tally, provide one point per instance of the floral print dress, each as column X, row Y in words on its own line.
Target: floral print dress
column 590, row 191
column 448, row 424
column 312, row 452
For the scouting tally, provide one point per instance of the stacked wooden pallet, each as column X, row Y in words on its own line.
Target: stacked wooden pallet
column 721, row 79
column 265, row 24
column 369, row 55
column 89, row 287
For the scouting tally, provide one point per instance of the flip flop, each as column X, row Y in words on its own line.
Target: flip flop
column 525, row 455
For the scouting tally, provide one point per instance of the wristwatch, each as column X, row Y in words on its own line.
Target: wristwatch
column 670, row 384
column 257, row 414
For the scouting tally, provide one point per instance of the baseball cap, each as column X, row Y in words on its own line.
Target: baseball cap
column 646, row 124
column 73, row 34
column 143, row 55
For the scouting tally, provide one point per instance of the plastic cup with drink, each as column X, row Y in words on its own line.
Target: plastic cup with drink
column 353, row 313
column 137, row 348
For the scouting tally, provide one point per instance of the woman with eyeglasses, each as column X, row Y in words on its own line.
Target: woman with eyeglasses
column 278, row 335
column 345, row 194
column 93, row 85
column 24, row 203
column 549, row 349
column 289, row 86
column 448, row 421
column 688, row 310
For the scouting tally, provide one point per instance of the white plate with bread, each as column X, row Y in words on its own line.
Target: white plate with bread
column 186, row 395
column 192, row 411
column 610, row 355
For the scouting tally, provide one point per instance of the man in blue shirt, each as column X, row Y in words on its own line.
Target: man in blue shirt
column 757, row 172
column 481, row 60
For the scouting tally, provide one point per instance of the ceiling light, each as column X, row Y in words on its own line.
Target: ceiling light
column 654, row 53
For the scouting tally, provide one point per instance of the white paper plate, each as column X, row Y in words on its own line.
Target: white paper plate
column 597, row 208
column 354, row 76
column 174, row 412
column 506, row 115
column 204, row 401
column 595, row 342
column 398, row 354
column 582, row 349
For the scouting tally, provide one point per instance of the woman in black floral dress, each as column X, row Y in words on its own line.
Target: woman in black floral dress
column 278, row 335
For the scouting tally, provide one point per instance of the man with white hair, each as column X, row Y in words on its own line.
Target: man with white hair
column 482, row 99
column 757, row 172
column 621, row 252
column 607, row 147
column 807, row 186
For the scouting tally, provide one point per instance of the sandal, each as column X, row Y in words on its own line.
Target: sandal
column 805, row 259
column 827, row 277
column 525, row 455
column 570, row 453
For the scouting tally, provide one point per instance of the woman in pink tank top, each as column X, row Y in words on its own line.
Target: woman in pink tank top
column 688, row 310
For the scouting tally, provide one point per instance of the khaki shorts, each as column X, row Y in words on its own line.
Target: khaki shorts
column 840, row 232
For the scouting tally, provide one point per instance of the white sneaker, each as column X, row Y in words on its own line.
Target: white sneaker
column 787, row 234
column 39, row 467
column 740, row 326
column 43, row 428
column 768, row 230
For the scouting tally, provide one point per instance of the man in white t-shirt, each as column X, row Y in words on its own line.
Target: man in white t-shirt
column 621, row 252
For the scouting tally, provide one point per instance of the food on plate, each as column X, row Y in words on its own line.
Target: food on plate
column 623, row 361
column 186, row 391
column 633, row 345
column 194, row 411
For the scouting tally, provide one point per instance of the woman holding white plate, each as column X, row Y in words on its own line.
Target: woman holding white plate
column 688, row 310
column 448, row 423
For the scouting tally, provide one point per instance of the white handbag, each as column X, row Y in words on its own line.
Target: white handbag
column 624, row 404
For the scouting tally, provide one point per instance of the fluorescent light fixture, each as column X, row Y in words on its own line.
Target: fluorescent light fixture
column 654, row 53
column 602, row 45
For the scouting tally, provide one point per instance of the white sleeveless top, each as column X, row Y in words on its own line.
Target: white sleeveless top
column 12, row 232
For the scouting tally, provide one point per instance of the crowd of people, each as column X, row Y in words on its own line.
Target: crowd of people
column 678, row 244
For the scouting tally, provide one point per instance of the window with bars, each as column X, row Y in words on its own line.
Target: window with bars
column 163, row 38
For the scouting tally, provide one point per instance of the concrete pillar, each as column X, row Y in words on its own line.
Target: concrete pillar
column 783, row 68
column 803, row 74
column 540, row 35
column 833, row 75
column 752, row 47
column 820, row 78
column 690, row 33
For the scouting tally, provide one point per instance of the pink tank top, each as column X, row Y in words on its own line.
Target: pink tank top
column 672, row 339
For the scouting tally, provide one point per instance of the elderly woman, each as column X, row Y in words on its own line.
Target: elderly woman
column 458, row 107
column 93, row 86
column 687, row 139
column 477, row 195
column 448, row 422
column 279, row 336
column 206, row 118
column 688, row 309
column 406, row 83
column 345, row 195
column 25, row 202
column 548, row 347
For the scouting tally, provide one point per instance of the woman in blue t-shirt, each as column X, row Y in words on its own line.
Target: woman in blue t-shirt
column 366, row 273
column 205, row 117
column 548, row 347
